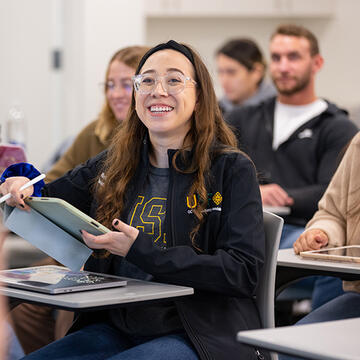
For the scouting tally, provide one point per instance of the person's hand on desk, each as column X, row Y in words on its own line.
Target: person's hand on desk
column 12, row 185
column 312, row 239
column 275, row 195
column 116, row 242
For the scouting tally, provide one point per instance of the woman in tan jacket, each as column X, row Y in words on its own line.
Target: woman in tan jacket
column 36, row 326
column 337, row 223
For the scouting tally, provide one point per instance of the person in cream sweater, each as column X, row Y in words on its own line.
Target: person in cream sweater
column 337, row 223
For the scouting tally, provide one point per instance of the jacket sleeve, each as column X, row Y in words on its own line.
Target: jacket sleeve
column 75, row 186
column 64, row 164
column 335, row 138
column 340, row 198
column 24, row 169
column 233, row 268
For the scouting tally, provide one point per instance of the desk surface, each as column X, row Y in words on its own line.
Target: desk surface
column 287, row 258
column 135, row 291
column 278, row 210
column 333, row 340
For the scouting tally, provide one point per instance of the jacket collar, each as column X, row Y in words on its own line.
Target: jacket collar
column 269, row 111
column 181, row 161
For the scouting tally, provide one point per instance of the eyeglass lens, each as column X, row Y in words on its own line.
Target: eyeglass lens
column 172, row 83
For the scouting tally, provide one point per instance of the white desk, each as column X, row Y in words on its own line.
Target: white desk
column 287, row 257
column 333, row 340
column 135, row 291
column 291, row 267
column 278, row 210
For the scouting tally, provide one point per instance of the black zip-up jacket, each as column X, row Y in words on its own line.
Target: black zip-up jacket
column 305, row 163
column 224, row 274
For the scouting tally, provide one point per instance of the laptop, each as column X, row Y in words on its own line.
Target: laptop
column 53, row 279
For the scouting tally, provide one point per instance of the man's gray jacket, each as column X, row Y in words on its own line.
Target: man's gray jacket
column 304, row 164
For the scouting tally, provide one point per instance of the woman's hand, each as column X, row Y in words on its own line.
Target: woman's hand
column 116, row 242
column 313, row 239
column 12, row 186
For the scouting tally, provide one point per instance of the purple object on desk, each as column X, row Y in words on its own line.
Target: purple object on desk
column 9, row 155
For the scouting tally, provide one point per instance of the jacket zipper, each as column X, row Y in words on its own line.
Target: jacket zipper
column 172, row 223
column 259, row 355
column 190, row 332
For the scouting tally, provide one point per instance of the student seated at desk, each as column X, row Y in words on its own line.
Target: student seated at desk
column 337, row 223
column 35, row 325
column 185, row 207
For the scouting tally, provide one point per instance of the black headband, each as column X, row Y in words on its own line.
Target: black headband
column 171, row 44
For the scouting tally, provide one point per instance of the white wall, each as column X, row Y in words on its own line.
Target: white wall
column 338, row 38
column 59, row 103
column 93, row 31
column 340, row 45
column 108, row 26
column 25, row 67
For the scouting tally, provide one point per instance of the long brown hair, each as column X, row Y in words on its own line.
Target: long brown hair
column 207, row 136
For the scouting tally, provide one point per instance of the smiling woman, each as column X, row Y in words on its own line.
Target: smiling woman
column 186, row 209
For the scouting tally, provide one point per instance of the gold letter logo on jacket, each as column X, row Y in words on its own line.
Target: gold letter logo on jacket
column 193, row 205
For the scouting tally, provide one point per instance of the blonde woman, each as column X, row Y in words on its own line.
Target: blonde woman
column 35, row 325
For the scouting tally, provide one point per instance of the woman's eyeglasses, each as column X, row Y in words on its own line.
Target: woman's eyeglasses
column 111, row 85
column 173, row 82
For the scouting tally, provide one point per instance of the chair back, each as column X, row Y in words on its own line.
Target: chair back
column 265, row 294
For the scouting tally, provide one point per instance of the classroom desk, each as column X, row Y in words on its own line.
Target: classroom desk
column 332, row 340
column 136, row 291
column 291, row 267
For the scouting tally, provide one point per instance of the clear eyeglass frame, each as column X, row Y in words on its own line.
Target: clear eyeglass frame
column 142, row 88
